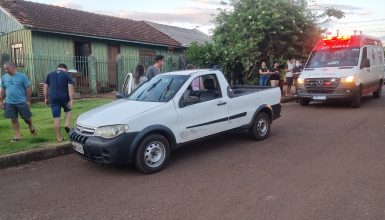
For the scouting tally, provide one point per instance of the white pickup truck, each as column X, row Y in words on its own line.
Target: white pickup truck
column 168, row 111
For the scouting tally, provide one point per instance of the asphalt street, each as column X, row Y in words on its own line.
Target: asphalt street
column 324, row 161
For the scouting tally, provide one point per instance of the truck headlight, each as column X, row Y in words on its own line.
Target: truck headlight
column 111, row 131
column 300, row 81
column 348, row 79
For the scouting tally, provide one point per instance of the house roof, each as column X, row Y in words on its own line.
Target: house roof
column 49, row 18
column 184, row 36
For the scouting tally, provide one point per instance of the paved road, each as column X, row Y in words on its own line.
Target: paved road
column 320, row 162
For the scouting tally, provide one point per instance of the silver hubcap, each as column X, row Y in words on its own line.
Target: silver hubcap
column 262, row 127
column 154, row 154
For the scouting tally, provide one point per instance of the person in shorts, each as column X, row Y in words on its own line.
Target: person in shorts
column 289, row 76
column 60, row 96
column 17, row 90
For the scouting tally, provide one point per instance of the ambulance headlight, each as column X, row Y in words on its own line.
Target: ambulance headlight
column 300, row 81
column 348, row 79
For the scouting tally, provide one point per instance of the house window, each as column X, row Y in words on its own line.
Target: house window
column 17, row 54
column 147, row 57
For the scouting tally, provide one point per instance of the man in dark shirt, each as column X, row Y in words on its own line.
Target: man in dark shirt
column 61, row 92
column 154, row 70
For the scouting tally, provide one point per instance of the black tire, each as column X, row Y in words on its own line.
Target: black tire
column 153, row 154
column 356, row 101
column 377, row 93
column 304, row 101
column 261, row 127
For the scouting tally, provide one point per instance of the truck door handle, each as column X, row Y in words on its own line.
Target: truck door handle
column 222, row 103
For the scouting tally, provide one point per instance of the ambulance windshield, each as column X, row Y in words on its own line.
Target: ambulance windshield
column 334, row 58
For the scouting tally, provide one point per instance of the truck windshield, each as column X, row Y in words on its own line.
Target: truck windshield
column 334, row 58
column 159, row 89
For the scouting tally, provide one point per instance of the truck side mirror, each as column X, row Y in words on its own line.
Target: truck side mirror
column 365, row 63
column 119, row 95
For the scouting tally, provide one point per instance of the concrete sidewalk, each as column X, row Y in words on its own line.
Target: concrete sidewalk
column 55, row 150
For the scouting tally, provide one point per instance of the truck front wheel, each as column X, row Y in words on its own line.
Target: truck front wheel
column 261, row 127
column 153, row 154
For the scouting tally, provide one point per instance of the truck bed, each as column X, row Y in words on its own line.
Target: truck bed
column 240, row 90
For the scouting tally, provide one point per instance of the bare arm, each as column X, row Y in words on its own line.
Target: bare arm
column 29, row 93
column 71, row 95
column 2, row 92
column 45, row 92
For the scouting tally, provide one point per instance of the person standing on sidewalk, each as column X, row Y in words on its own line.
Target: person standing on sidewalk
column 17, row 90
column 61, row 93
column 289, row 76
column 275, row 75
column 264, row 73
column 296, row 72
column 154, row 70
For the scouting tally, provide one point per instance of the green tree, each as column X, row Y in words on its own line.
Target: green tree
column 257, row 30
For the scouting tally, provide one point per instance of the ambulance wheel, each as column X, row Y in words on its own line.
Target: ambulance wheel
column 356, row 101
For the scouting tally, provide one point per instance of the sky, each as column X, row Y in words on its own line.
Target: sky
column 367, row 16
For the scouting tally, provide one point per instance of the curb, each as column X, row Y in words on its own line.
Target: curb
column 35, row 155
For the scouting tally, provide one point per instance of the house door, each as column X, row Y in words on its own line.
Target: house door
column 113, row 51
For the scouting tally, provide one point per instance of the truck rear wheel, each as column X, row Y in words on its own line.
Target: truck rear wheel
column 377, row 93
column 153, row 154
column 261, row 127
column 356, row 101
column 304, row 101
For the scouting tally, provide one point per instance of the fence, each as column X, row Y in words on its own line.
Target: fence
column 92, row 75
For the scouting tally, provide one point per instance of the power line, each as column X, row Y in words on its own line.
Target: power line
column 355, row 22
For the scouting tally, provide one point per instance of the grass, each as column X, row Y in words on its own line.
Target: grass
column 42, row 120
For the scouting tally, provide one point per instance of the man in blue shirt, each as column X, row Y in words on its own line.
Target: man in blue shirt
column 61, row 93
column 17, row 90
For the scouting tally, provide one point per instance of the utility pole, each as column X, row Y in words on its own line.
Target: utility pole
column 338, row 31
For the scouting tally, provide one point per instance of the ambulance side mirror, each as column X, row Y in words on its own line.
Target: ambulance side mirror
column 365, row 63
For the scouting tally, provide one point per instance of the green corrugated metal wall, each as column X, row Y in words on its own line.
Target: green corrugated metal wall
column 21, row 36
column 8, row 24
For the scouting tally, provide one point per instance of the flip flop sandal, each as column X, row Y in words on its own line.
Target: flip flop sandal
column 14, row 140
column 33, row 131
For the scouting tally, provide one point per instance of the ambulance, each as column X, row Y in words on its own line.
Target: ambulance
column 343, row 68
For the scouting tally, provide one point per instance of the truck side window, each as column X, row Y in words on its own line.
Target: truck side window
column 205, row 88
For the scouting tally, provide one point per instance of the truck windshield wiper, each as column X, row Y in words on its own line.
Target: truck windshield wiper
column 149, row 89
column 167, row 89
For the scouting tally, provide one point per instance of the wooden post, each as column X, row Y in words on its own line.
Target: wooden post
column 120, row 70
column 92, row 74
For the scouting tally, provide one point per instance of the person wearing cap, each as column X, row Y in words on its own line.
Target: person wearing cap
column 59, row 83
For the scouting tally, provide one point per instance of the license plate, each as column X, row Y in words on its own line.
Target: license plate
column 78, row 147
column 319, row 97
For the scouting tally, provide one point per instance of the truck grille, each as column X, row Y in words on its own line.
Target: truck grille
column 87, row 131
column 321, row 83
column 78, row 138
